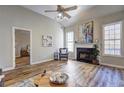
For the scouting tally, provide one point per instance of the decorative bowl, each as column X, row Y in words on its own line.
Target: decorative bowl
column 58, row 78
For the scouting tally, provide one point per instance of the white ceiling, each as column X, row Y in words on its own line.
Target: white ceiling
column 83, row 12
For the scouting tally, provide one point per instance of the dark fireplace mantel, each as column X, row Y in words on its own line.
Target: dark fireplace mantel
column 84, row 54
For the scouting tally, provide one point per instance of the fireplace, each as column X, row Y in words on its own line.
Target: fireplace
column 84, row 54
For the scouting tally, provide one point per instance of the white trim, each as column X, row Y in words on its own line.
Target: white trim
column 9, row 68
column 37, row 62
column 79, row 45
column 112, row 23
column 111, row 65
column 103, row 54
column 32, row 63
column 13, row 45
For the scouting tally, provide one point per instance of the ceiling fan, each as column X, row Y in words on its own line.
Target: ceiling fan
column 62, row 12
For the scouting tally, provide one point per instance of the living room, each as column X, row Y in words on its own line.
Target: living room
column 82, row 48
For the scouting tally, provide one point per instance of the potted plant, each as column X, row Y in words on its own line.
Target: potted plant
column 95, row 54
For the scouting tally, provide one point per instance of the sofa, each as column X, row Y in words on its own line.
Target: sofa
column 1, row 78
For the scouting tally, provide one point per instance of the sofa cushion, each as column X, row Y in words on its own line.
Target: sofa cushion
column 63, row 51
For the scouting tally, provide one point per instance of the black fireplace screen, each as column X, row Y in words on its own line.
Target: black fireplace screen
column 84, row 54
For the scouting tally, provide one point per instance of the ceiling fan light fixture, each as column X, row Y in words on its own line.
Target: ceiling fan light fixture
column 66, row 18
column 61, row 17
column 60, row 14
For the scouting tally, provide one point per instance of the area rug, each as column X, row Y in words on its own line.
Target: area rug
column 24, row 83
column 30, row 83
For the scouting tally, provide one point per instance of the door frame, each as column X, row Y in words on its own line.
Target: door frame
column 13, row 44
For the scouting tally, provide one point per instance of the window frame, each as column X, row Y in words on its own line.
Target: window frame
column 103, row 39
column 70, row 41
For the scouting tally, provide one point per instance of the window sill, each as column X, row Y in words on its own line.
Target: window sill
column 104, row 55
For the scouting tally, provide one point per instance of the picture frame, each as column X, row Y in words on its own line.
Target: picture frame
column 86, row 32
column 46, row 41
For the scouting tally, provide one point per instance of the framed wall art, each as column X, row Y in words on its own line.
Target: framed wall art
column 86, row 32
column 46, row 41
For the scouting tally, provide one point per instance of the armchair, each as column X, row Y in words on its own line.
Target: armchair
column 63, row 53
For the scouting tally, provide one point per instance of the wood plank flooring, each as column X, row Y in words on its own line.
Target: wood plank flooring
column 22, row 61
column 81, row 74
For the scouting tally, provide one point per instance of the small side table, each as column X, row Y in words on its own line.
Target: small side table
column 56, row 55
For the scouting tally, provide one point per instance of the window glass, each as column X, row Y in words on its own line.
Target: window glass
column 112, row 39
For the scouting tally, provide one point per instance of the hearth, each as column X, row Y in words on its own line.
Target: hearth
column 84, row 54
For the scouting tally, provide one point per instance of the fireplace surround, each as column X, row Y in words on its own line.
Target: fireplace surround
column 84, row 54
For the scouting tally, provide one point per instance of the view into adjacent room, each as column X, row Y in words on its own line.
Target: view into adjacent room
column 22, row 47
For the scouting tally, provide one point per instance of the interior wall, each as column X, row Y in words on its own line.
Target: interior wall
column 22, row 40
column 98, row 24
column 17, row 16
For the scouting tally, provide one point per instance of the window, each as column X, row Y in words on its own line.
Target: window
column 112, row 39
column 70, row 41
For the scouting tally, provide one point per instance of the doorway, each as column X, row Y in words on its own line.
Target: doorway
column 21, row 47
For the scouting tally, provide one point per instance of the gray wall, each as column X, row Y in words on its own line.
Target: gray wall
column 40, row 25
column 98, row 23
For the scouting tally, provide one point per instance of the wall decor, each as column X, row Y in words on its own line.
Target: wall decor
column 86, row 32
column 46, row 41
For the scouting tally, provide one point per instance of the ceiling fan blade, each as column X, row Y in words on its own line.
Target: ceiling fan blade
column 70, row 8
column 50, row 11
column 67, row 15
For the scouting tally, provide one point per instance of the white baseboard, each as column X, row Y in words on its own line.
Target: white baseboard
column 9, row 68
column 111, row 65
column 37, row 62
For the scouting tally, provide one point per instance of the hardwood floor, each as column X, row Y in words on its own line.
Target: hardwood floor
column 81, row 74
column 22, row 61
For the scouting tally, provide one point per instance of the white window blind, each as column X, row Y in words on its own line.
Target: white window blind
column 112, row 39
column 70, row 41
